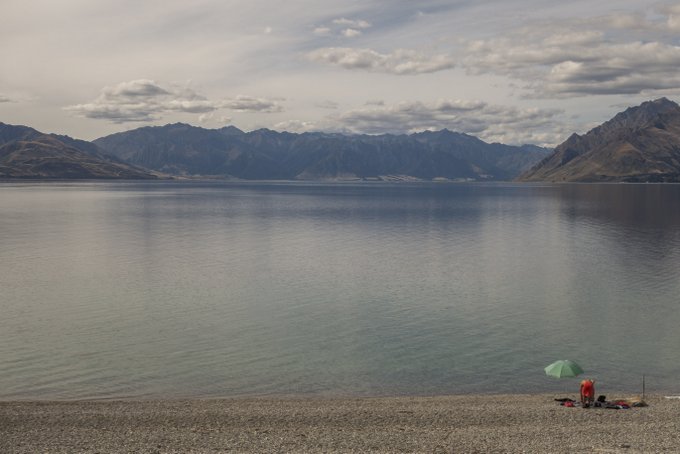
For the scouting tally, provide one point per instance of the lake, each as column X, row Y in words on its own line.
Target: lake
column 209, row 289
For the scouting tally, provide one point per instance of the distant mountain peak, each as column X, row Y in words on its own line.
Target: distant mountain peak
column 656, row 106
column 231, row 130
column 663, row 101
column 644, row 114
column 266, row 131
column 642, row 143
column 179, row 125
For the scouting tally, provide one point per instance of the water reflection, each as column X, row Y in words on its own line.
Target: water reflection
column 209, row 289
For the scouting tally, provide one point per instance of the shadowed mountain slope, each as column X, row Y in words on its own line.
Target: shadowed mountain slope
column 264, row 154
column 27, row 153
column 641, row 144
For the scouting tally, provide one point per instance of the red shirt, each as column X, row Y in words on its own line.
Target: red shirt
column 588, row 388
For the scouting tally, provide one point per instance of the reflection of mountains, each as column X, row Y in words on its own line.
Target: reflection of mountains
column 639, row 207
column 638, row 224
column 624, row 255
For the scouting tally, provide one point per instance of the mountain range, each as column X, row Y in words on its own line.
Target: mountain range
column 641, row 144
column 27, row 153
column 181, row 149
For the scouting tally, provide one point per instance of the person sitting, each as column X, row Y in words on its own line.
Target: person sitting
column 587, row 392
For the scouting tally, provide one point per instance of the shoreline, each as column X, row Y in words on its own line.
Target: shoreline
column 455, row 423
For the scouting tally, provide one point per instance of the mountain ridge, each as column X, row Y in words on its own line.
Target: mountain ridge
column 640, row 144
column 28, row 153
column 186, row 150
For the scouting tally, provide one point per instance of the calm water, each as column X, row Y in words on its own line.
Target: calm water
column 169, row 289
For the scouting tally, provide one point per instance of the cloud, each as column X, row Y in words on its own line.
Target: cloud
column 298, row 126
column 627, row 21
column 400, row 61
column 351, row 23
column 348, row 28
column 211, row 118
column 618, row 54
column 136, row 88
column 145, row 100
column 4, row 98
column 350, row 33
column 492, row 123
column 626, row 69
column 250, row 104
column 140, row 100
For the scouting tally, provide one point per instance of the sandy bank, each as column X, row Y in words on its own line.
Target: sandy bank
column 467, row 423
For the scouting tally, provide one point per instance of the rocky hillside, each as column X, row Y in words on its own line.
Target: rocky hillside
column 27, row 153
column 264, row 154
column 641, row 144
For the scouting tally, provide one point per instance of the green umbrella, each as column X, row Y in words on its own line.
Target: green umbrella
column 563, row 369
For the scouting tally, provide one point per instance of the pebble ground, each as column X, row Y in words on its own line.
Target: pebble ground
column 465, row 424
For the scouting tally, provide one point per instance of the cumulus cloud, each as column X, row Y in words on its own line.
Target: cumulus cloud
column 350, row 32
column 615, row 54
column 145, row 100
column 298, row 126
column 249, row 104
column 628, row 69
column 351, row 23
column 141, row 100
column 492, row 123
column 349, row 28
column 211, row 118
column 400, row 61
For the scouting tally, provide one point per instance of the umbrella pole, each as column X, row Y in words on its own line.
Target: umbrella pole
column 643, row 387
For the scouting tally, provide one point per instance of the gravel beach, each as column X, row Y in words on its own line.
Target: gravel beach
column 467, row 423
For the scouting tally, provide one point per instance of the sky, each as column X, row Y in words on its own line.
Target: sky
column 510, row 71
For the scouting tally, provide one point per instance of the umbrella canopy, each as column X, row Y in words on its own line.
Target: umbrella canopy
column 563, row 369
